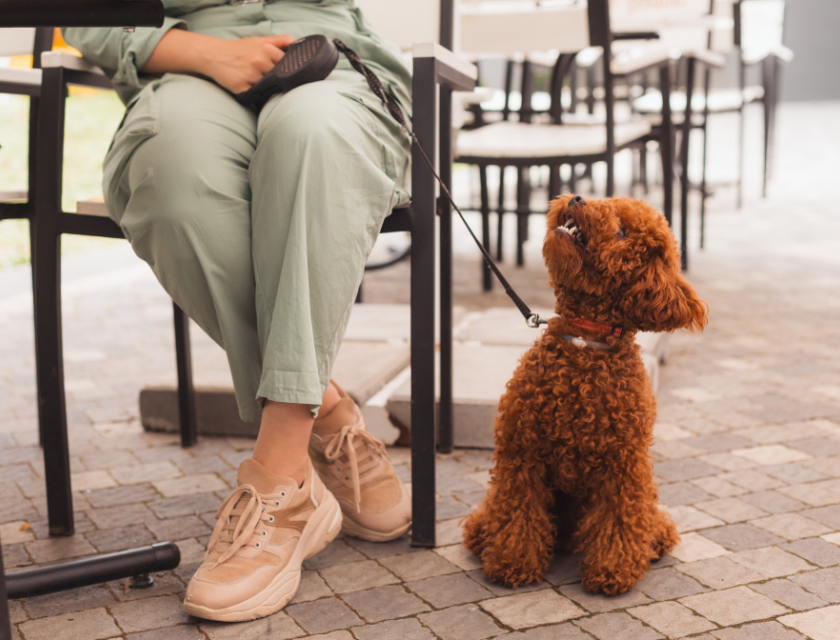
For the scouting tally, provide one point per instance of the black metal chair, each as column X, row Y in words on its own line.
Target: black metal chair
column 434, row 67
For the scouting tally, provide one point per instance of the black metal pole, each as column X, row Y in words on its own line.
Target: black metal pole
column 423, row 306
column 685, row 183
column 103, row 568
column 446, row 416
column 5, row 618
column 46, row 256
column 486, row 275
column 666, row 143
column 186, row 390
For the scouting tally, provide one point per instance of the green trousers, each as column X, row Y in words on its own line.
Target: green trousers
column 258, row 226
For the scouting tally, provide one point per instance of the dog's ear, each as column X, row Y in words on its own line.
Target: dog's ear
column 660, row 299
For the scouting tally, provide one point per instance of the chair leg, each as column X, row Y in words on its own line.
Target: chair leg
column 46, row 256
column 666, row 145
column 703, row 194
column 554, row 182
column 521, row 214
column 643, row 177
column 500, row 217
column 5, row 618
column 486, row 276
column 685, row 184
column 186, row 390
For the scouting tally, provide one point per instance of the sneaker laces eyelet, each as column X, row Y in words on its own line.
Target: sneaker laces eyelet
column 271, row 519
column 276, row 503
column 282, row 494
column 264, row 533
column 258, row 545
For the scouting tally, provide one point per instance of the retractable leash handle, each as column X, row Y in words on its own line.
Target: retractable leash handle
column 313, row 58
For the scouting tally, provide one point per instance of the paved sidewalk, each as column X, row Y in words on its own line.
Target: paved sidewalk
column 748, row 455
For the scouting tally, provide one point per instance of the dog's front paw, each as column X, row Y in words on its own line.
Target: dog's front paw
column 609, row 582
column 512, row 572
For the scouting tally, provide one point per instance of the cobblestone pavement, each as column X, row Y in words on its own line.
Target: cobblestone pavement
column 747, row 450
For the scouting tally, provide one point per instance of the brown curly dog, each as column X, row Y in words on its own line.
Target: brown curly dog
column 571, row 467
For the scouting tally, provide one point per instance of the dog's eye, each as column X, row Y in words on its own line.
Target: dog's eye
column 620, row 233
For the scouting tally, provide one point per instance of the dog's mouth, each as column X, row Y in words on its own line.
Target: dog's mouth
column 572, row 229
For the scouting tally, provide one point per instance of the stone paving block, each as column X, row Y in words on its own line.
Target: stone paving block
column 733, row 606
column 791, row 526
column 450, row 507
column 771, row 454
column 149, row 613
column 188, row 485
column 564, row 569
column 324, row 615
column 416, row 566
column 817, row 447
column 668, row 584
column 204, row 463
column 185, row 505
column 449, row 590
column 829, row 516
column 731, row 510
column 690, row 519
column 718, row 487
column 119, row 496
column 828, row 466
column 565, row 631
column 88, row 480
column 739, row 537
column 718, row 442
column 820, row 624
column 617, row 626
column 52, row 549
column 15, row 555
column 182, row 632
column 816, row 494
column 357, row 576
column 500, row 589
column 16, row 612
column 82, row 625
column 789, row 594
column 531, row 609
column 673, row 450
column 681, row 493
column 793, row 473
column 312, row 587
column 120, row 539
column 693, row 546
column 181, row 527
column 728, row 462
column 460, row 556
column 373, row 550
column 13, row 533
column 121, row 516
column 720, row 573
column 771, row 562
column 278, row 626
column 672, row 619
column 759, row 631
column 149, row 472
column 407, row 629
column 823, row 582
column 816, row 551
column 464, row 622
column 338, row 552
column 448, row 532
column 384, row 603
column 677, row 470
column 752, row 480
column 599, row 603
column 55, row 604
column 773, row 502
column 335, row 635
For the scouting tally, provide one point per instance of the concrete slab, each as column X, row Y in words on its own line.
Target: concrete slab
column 371, row 322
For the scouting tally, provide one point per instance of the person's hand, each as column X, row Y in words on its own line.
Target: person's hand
column 239, row 64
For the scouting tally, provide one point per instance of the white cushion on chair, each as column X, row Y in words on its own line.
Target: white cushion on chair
column 521, row 140
column 720, row 100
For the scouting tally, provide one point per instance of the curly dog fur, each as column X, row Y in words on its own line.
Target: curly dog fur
column 571, row 466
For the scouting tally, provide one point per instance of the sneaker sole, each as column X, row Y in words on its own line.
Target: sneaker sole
column 358, row 531
column 320, row 530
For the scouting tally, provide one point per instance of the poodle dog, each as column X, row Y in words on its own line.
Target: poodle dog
column 571, row 466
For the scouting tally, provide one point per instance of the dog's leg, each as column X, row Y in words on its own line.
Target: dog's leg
column 665, row 536
column 617, row 533
column 511, row 531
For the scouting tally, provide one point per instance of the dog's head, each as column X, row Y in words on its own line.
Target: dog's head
column 617, row 258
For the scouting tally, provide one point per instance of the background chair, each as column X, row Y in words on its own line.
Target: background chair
column 568, row 29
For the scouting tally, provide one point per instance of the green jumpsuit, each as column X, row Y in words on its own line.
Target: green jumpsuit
column 257, row 225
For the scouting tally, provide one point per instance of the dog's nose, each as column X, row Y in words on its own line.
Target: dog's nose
column 577, row 200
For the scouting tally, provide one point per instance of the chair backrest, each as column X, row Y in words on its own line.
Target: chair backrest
column 762, row 24
column 26, row 42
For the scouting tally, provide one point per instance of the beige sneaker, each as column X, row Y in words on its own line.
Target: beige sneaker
column 356, row 468
column 265, row 530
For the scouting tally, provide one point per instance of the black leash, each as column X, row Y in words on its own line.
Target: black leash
column 532, row 319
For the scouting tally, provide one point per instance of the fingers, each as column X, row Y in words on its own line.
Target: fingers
column 282, row 41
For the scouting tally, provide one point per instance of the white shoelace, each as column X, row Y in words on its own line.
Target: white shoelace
column 348, row 434
column 240, row 532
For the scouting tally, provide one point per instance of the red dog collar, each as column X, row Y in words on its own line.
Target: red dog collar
column 588, row 325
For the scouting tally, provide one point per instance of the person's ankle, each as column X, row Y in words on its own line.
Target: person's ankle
column 330, row 401
column 282, row 469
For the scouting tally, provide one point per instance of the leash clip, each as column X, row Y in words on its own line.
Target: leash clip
column 534, row 321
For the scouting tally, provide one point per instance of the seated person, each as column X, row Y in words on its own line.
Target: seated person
column 258, row 226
